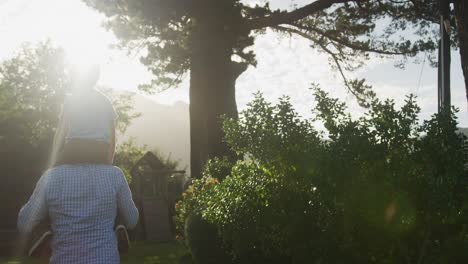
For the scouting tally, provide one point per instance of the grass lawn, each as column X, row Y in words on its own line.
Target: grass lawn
column 140, row 253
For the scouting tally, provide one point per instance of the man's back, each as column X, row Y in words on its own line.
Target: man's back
column 82, row 202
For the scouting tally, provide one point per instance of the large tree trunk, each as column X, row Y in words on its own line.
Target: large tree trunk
column 212, row 85
column 461, row 15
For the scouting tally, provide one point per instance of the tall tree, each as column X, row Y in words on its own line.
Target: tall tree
column 428, row 11
column 461, row 18
column 208, row 38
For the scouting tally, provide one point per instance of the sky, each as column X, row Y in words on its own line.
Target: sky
column 286, row 65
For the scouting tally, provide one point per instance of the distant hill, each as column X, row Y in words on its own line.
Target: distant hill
column 165, row 128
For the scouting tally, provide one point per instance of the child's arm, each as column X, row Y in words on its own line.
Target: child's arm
column 35, row 210
column 60, row 134
column 110, row 158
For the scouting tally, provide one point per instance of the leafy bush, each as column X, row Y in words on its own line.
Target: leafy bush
column 127, row 154
column 382, row 188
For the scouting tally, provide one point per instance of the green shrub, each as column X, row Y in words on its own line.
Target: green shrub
column 127, row 154
column 380, row 189
column 205, row 244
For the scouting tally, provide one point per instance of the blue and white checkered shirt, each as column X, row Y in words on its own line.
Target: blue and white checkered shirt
column 82, row 202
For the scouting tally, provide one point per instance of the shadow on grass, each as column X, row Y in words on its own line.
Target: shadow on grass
column 139, row 253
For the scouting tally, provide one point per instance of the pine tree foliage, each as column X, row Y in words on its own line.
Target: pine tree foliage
column 348, row 31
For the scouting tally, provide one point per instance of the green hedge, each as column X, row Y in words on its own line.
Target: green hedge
column 383, row 188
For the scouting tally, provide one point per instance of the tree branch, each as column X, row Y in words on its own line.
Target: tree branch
column 331, row 53
column 349, row 44
column 350, row 84
column 276, row 19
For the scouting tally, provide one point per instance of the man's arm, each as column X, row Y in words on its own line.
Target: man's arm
column 35, row 210
column 126, row 207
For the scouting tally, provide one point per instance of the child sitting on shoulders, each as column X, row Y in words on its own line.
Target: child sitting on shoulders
column 86, row 131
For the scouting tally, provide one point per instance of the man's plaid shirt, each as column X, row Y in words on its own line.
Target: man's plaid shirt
column 81, row 202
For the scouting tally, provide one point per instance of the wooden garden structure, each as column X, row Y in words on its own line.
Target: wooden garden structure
column 154, row 191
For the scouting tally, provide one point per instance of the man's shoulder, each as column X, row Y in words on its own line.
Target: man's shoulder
column 79, row 168
column 116, row 169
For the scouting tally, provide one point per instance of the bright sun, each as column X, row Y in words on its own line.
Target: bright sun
column 77, row 29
